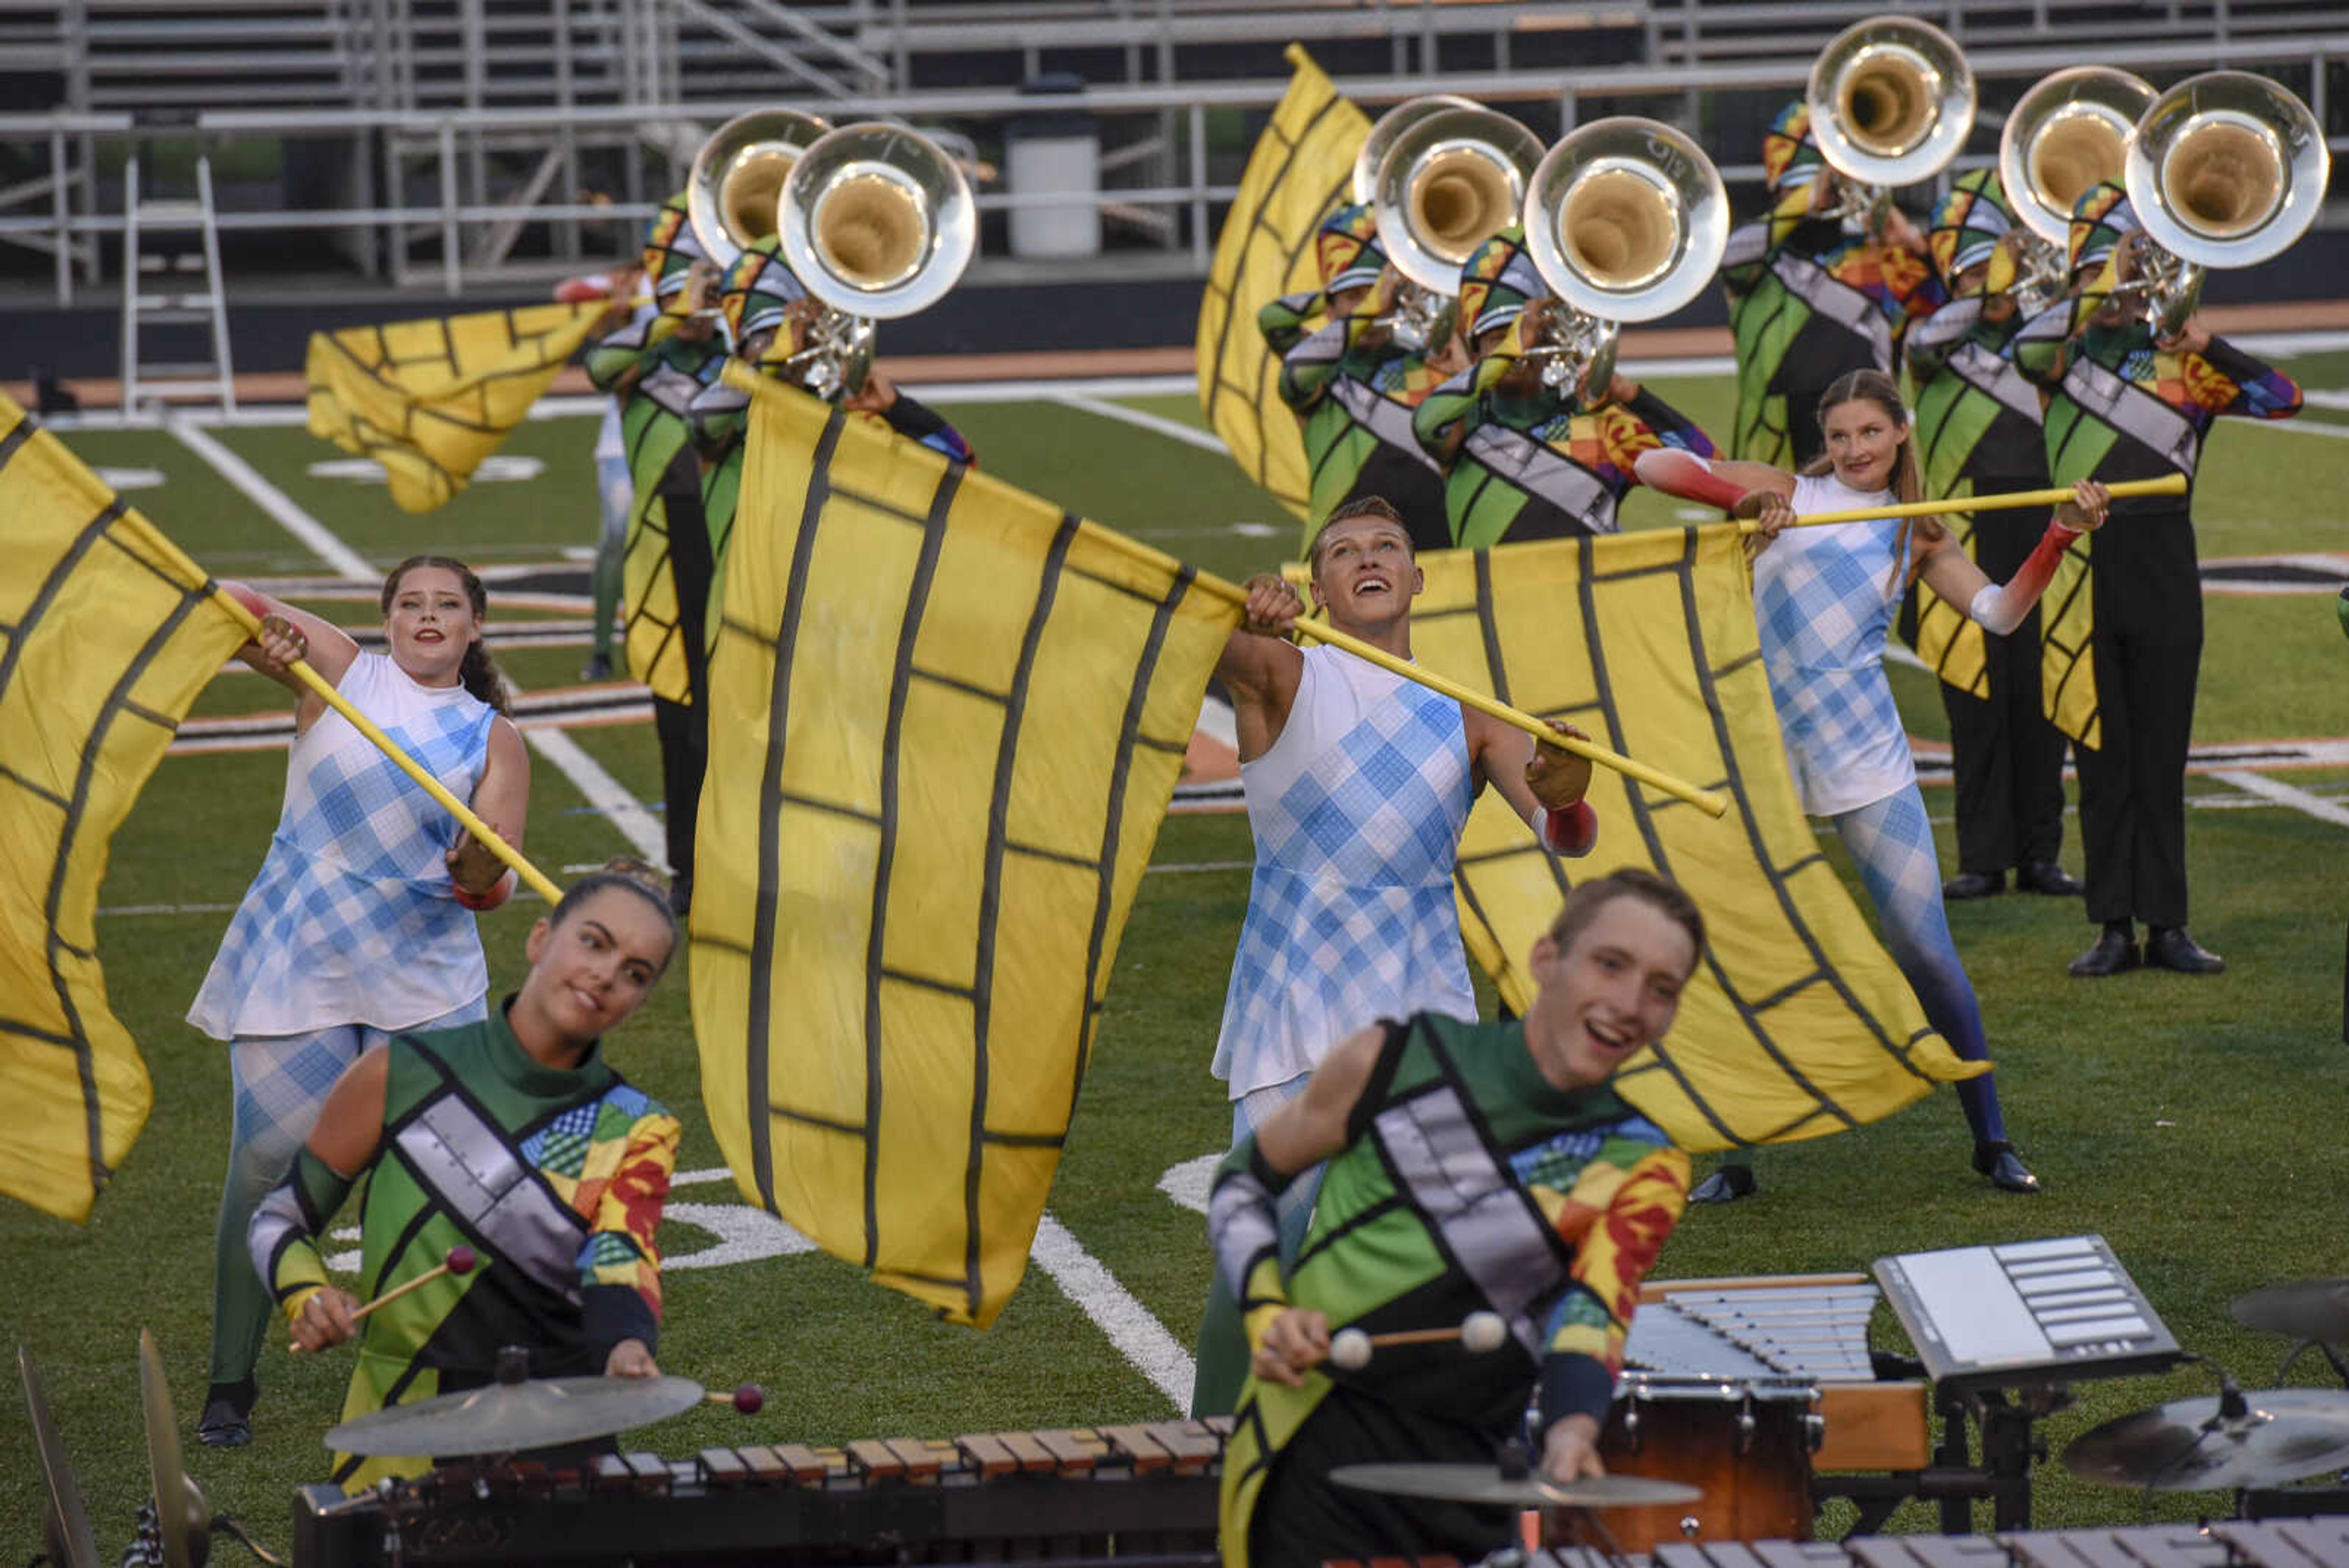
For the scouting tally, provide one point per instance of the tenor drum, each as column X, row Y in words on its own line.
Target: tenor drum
column 1745, row 1443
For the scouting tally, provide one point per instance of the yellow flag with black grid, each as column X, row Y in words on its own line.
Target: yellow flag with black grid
column 105, row 640
column 944, row 732
column 2067, row 626
column 1947, row 641
column 1302, row 165
column 1797, row 1024
column 430, row 399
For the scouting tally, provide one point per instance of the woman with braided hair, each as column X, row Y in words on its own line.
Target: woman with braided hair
column 360, row 921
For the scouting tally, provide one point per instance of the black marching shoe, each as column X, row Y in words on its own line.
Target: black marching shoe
column 2116, row 952
column 2047, row 877
column 1726, row 1185
column 2168, row 947
column 227, row 1420
column 2007, row 1171
column 1974, row 884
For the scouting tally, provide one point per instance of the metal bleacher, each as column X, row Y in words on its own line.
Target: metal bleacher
column 452, row 143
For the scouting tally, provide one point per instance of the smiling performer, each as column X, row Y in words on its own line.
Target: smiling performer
column 1824, row 597
column 1358, row 785
column 1472, row 1167
column 360, row 920
column 513, row 1137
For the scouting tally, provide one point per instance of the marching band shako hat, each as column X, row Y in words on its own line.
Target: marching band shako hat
column 1498, row 281
column 1967, row 228
column 1347, row 247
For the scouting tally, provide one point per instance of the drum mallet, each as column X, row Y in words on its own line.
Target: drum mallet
column 1350, row 1348
column 460, row 1261
column 747, row 1397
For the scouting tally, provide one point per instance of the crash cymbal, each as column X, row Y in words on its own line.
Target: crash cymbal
column 507, row 1417
column 181, row 1519
column 65, row 1524
column 2304, row 1309
column 2278, row 1435
column 1485, row 1484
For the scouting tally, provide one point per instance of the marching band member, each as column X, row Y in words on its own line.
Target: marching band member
column 1470, row 1167
column 359, row 921
column 1353, row 384
column 655, row 366
column 2126, row 404
column 511, row 1135
column 1978, row 432
column 1809, row 302
column 1523, row 459
column 1357, row 785
column 1823, row 598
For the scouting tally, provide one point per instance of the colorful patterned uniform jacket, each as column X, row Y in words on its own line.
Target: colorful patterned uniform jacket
column 1806, row 306
column 1540, row 466
column 655, row 425
column 1354, row 402
column 1976, row 418
column 1469, row 1184
column 554, row 1179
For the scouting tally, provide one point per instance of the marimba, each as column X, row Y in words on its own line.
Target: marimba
column 1139, row 1494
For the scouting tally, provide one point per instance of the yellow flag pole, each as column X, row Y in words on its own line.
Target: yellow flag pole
column 188, row 571
column 2167, row 484
column 1710, row 802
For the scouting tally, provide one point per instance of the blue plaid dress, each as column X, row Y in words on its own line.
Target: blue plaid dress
column 1356, row 811
column 1824, row 598
column 351, row 919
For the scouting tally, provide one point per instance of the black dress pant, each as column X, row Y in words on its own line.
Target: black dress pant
column 2008, row 757
column 683, row 728
column 2147, row 593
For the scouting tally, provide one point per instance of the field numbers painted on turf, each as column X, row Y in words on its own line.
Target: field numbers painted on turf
column 1188, row 1182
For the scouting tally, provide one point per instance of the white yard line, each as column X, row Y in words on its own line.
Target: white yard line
column 315, row 535
column 2283, row 794
column 1157, row 424
column 1138, row 1336
column 602, row 791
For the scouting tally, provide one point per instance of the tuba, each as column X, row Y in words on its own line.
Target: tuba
column 2225, row 170
column 2063, row 136
column 1449, row 178
column 738, row 175
column 876, row 222
column 1892, row 100
column 1626, row 220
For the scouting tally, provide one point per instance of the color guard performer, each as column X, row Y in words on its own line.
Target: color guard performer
column 1809, row 300
column 1359, row 783
column 1353, row 382
column 1978, row 433
column 2127, row 404
column 1524, row 459
column 1472, row 1167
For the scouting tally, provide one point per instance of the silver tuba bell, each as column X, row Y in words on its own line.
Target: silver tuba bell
column 1626, row 220
column 2224, row 169
column 2066, row 134
column 876, row 222
column 1452, row 177
column 1892, row 100
column 737, row 182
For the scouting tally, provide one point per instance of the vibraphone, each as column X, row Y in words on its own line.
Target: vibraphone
column 1137, row 1496
column 2266, row 1543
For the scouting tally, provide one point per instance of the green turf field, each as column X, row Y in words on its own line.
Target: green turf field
column 2189, row 1122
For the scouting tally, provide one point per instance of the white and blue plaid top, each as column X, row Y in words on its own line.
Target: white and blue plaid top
column 1824, row 598
column 351, row 919
column 1357, row 811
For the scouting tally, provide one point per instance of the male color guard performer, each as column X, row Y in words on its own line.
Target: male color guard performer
column 1977, row 420
column 1472, row 1167
column 1357, row 782
column 655, row 366
column 1809, row 300
column 2126, row 404
column 1354, row 383
column 1523, row 459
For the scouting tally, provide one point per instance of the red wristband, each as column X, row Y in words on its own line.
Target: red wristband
column 250, row 600
column 497, row 893
column 1571, row 830
column 1684, row 474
